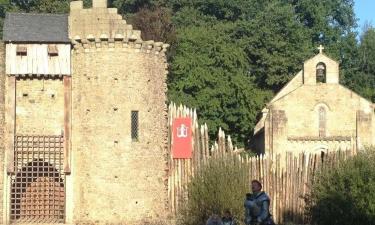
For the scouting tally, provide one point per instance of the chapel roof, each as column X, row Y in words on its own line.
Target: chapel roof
column 31, row 27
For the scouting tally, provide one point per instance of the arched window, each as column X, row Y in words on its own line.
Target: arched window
column 322, row 121
column 321, row 73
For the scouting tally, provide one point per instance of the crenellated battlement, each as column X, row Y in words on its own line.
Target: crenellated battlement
column 91, row 43
column 102, row 27
column 97, row 21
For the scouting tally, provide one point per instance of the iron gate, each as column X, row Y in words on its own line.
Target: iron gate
column 38, row 187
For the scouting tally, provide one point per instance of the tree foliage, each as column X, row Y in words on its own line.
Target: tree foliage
column 276, row 45
column 42, row 6
column 365, row 83
column 210, row 72
column 155, row 24
column 346, row 195
column 221, row 184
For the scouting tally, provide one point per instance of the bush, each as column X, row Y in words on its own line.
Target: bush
column 221, row 184
column 345, row 195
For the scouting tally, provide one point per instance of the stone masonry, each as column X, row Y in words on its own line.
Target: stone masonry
column 311, row 116
column 2, row 126
column 116, row 179
column 40, row 107
column 109, row 177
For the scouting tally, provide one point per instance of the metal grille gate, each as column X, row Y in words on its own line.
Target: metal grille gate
column 38, row 187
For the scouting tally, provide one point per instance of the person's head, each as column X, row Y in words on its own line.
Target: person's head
column 215, row 214
column 256, row 186
column 227, row 214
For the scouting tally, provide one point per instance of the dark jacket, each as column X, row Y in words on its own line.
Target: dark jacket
column 213, row 221
column 228, row 221
column 262, row 202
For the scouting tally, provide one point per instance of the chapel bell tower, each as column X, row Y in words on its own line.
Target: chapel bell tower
column 320, row 70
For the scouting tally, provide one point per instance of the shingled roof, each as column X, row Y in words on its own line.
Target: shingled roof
column 30, row 27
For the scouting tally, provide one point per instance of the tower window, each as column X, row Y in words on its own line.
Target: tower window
column 21, row 50
column 134, row 125
column 322, row 121
column 52, row 50
column 321, row 73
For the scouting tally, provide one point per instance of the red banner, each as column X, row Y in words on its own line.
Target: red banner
column 182, row 147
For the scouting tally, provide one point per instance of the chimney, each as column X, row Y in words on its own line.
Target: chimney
column 99, row 3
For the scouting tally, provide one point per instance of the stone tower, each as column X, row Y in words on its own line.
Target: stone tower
column 119, row 119
column 83, row 120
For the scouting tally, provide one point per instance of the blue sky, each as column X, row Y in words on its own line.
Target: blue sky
column 365, row 11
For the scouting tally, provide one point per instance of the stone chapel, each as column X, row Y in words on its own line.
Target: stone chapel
column 83, row 135
column 315, row 113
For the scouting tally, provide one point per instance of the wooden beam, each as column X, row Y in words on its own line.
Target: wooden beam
column 67, row 122
column 10, row 114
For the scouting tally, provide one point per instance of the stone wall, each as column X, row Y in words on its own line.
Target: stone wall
column 98, row 23
column 279, row 129
column 301, row 109
column 364, row 128
column 316, row 115
column 39, row 106
column 2, row 126
column 319, row 145
column 115, row 179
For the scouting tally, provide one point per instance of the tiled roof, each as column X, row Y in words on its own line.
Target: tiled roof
column 30, row 27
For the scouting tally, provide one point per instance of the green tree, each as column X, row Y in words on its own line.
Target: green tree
column 210, row 72
column 276, row 45
column 42, row 6
column 331, row 23
column 367, row 51
column 223, row 10
column 219, row 185
column 345, row 195
column 155, row 24
column 128, row 7
column 254, row 54
column 362, row 75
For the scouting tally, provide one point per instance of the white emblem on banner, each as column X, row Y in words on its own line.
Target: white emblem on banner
column 182, row 131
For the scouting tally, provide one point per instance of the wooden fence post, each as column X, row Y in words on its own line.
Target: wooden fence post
column 286, row 178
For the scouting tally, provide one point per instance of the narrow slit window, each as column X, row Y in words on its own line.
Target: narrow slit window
column 134, row 125
column 52, row 50
column 21, row 50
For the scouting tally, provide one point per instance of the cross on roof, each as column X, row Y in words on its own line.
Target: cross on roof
column 321, row 48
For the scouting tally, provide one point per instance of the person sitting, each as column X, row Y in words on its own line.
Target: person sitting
column 228, row 218
column 257, row 206
column 214, row 219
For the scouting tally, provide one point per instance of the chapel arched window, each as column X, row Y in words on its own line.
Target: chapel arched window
column 322, row 121
column 321, row 73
